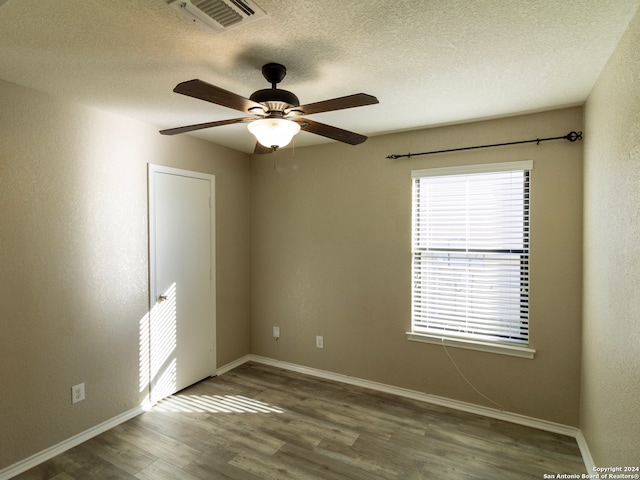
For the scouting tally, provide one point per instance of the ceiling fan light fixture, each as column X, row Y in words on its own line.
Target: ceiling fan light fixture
column 273, row 109
column 274, row 132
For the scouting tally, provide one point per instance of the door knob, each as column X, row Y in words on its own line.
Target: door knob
column 162, row 298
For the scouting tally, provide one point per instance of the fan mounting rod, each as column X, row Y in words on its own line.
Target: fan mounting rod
column 274, row 73
column 274, row 99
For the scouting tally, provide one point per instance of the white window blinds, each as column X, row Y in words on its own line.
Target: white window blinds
column 471, row 252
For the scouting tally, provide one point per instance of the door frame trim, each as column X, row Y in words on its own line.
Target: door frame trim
column 153, row 293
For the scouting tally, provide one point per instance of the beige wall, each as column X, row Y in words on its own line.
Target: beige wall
column 74, row 262
column 610, row 411
column 331, row 256
column 328, row 232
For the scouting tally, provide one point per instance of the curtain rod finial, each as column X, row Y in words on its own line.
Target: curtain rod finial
column 573, row 136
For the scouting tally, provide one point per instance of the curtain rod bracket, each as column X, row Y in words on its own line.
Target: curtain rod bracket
column 571, row 136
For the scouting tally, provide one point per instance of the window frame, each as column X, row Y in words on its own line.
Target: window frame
column 513, row 348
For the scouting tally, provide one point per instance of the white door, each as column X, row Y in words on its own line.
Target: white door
column 181, row 246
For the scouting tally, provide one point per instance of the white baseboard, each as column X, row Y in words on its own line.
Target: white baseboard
column 44, row 455
column 584, row 451
column 516, row 418
column 232, row 365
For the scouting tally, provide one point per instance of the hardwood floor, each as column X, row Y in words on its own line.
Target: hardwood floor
column 261, row 422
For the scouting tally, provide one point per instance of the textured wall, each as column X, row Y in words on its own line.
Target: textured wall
column 610, row 409
column 74, row 262
column 331, row 256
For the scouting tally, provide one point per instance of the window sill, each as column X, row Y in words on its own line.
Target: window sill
column 514, row 351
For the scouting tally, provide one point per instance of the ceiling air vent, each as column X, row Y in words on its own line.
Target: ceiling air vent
column 219, row 14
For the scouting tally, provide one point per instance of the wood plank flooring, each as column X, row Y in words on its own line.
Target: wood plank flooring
column 261, row 422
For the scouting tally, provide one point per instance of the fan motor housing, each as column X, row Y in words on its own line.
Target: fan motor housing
column 274, row 96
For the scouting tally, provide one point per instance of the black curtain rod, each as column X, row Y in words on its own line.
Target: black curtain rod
column 571, row 136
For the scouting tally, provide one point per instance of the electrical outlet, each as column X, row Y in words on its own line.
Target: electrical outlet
column 77, row 393
column 276, row 332
column 319, row 341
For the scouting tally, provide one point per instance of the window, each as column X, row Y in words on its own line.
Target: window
column 470, row 251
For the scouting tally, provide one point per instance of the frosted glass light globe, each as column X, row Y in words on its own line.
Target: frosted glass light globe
column 274, row 132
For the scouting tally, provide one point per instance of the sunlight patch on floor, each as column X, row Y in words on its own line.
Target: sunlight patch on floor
column 214, row 404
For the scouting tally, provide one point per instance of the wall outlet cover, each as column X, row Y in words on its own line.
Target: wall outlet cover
column 77, row 393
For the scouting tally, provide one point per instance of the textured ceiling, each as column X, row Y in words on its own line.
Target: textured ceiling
column 429, row 62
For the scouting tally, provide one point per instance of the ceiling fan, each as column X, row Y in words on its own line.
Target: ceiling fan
column 277, row 114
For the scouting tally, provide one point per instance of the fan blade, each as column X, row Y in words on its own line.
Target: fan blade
column 261, row 149
column 328, row 131
column 200, row 126
column 350, row 101
column 210, row 93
